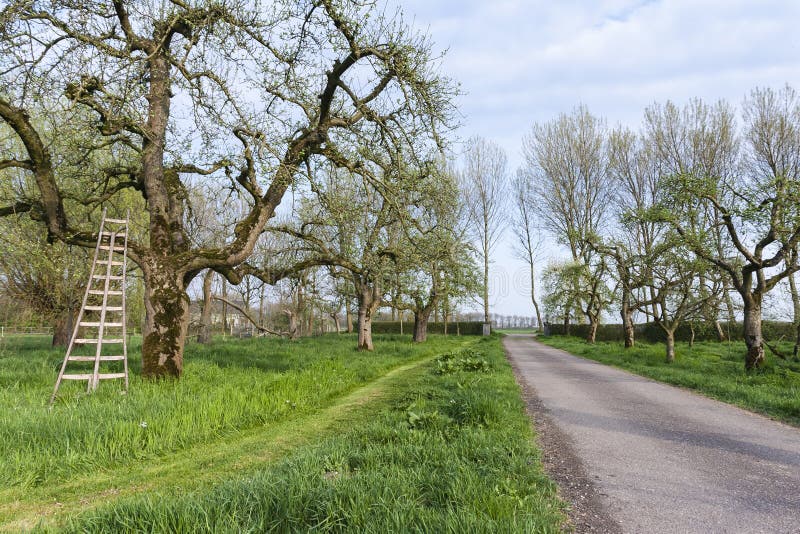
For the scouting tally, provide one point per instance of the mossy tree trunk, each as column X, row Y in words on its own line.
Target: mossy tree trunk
column 335, row 317
column 796, row 315
column 348, row 316
column 166, row 320
column 62, row 328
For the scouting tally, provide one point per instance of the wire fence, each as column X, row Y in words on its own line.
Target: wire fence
column 25, row 331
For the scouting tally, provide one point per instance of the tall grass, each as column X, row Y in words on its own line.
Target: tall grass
column 714, row 369
column 226, row 388
column 449, row 449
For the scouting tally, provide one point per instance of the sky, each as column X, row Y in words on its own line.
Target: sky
column 521, row 62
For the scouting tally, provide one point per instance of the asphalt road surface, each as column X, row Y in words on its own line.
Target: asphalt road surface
column 663, row 459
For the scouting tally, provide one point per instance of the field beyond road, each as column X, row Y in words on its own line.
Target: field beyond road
column 268, row 434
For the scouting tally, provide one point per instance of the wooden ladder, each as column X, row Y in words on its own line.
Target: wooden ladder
column 95, row 320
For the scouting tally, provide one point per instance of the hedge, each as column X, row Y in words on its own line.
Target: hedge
column 651, row 332
column 465, row 328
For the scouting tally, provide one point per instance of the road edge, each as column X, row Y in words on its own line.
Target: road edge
column 587, row 513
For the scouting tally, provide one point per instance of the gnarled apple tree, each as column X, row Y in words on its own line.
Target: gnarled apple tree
column 238, row 94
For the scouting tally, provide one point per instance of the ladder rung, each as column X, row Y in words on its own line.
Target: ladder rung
column 93, row 358
column 108, row 308
column 103, row 277
column 84, row 323
column 117, row 221
column 106, row 262
column 95, row 341
column 101, row 376
column 111, row 375
column 118, row 234
column 117, row 248
column 100, row 292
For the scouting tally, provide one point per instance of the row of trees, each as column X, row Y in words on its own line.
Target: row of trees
column 184, row 109
column 695, row 216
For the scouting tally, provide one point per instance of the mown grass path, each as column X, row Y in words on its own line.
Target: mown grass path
column 24, row 508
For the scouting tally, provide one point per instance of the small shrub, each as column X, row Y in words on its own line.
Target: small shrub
column 468, row 360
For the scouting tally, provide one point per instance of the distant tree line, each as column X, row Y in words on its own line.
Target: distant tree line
column 693, row 217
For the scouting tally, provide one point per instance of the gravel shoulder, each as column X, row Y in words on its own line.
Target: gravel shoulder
column 633, row 455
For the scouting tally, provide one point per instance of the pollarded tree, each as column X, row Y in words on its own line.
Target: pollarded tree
column 635, row 171
column 758, row 208
column 673, row 277
column 699, row 140
column 566, row 161
column 239, row 94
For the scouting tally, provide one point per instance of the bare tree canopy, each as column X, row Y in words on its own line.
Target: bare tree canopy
column 484, row 181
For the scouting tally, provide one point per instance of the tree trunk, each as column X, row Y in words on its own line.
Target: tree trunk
column 63, row 326
column 224, row 306
column 796, row 315
column 670, row 344
column 593, row 324
column 364, row 328
column 533, row 294
column 627, row 323
column 294, row 332
column 205, row 317
column 752, row 334
column 691, row 337
column 720, row 332
column 368, row 302
column 486, row 279
column 348, row 319
column 421, row 326
column 166, row 321
column 335, row 317
column 261, row 304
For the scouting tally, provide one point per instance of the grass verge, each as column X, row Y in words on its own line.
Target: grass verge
column 446, row 448
column 714, row 369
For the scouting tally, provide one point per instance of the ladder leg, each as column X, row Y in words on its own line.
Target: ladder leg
column 125, row 300
column 80, row 313
column 94, row 381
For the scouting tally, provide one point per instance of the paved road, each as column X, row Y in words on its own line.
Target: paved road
column 664, row 459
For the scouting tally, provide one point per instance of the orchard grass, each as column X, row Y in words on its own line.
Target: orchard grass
column 270, row 434
column 713, row 369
